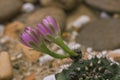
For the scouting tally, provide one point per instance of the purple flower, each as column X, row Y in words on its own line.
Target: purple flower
column 30, row 35
column 48, row 26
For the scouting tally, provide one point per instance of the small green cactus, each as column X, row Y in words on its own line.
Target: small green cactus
column 93, row 69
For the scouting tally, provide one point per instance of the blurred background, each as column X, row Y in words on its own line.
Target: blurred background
column 92, row 24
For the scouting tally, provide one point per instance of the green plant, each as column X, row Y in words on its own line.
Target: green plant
column 93, row 69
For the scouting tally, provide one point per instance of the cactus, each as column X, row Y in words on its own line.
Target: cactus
column 93, row 69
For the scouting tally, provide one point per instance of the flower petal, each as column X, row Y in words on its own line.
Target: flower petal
column 43, row 30
column 52, row 21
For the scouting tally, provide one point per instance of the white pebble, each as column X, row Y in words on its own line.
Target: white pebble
column 116, row 51
column 74, row 34
column 4, row 39
column 60, row 51
column 50, row 77
column 90, row 56
column 81, row 20
column 28, row 7
column 45, row 59
column 104, row 53
column 19, row 56
column 74, row 45
column 89, row 49
column 99, row 55
column 104, row 15
column 65, row 66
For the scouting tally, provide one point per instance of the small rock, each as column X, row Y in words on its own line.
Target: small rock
column 82, row 15
column 29, row 54
column 6, row 72
column 29, row 1
column 115, row 54
column 2, row 28
column 100, row 35
column 57, row 13
column 28, row 7
column 65, row 4
column 50, row 77
column 30, row 77
column 44, row 59
column 14, row 29
column 105, row 15
column 9, row 8
column 106, row 5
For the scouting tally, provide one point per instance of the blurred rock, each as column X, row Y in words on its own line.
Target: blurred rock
column 13, row 29
column 29, row 77
column 29, row 54
column 2, row 28
column 101, row 34
column 28, row 7
column 29, row 1
column 9, row 8
column 6, row 72
column 76, row 19
column 65, row 4
column 39, row 14
column 106, row 5
column 115, row 54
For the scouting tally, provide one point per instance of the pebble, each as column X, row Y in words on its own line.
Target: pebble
column 6, row 72
column 105, row 5
column 65, row 4
column 50, row 77
column 29, row 77
column 80, row 16
column 28, row 7
column 115, row 54
column 9, row 8
column 100, row 35
column 29, row 1
column 41, row 13
column 44, row 59
column 29, row 54
column 2, row 28
column 14, row 29
column 81, row 21
column 104, row 15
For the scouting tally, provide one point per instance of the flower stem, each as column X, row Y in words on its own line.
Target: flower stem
column 43, row 48
column 60, row 42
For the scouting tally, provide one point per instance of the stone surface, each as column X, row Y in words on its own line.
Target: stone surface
column 29, row 1
column 65, row 4
column 6, row 72
column 107, row 5
column 9, row 8
column 101, row 34
column 82, row 10
column 14, row 29
column 39, row 14
column 30, row 77
column 29, row 54
column 115, row 54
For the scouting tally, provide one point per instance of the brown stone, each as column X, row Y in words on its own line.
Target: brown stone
column 114, row 55
column 101, row 34
column 29, row 54
column 82, row 10
column 9, row 8
column 39, row 14
column 65, row 4
column 6, row 72
column 107, row 5
column 14, row 29
column 30, row 77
